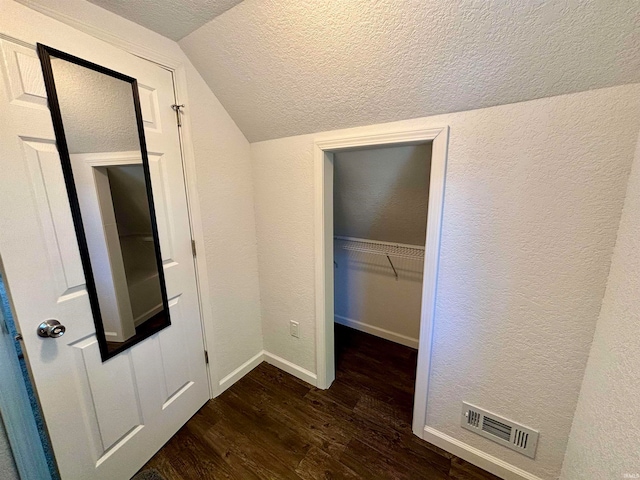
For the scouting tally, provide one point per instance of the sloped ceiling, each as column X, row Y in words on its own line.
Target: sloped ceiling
column 172, row 18
column 289, row 67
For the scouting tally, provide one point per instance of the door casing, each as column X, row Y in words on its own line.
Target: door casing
column 324, row 148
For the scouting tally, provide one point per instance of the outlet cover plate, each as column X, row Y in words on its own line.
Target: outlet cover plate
column 294, row 329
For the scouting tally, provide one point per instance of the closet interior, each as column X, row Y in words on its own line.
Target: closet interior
column 380, row 198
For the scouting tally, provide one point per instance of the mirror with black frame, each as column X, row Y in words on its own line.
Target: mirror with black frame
column 100, row 137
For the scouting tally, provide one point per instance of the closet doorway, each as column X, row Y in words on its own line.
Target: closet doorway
column 381, row 242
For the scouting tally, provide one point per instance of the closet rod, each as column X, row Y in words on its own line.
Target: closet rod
column 394, row 268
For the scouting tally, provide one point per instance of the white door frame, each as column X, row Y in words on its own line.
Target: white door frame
column 176, row 66
column 323, row 164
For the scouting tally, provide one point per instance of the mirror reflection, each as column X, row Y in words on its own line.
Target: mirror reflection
column 112, row 203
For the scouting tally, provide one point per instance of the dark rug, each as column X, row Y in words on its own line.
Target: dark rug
column 148, row 474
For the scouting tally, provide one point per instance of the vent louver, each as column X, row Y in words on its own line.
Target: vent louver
column 521, row 438
column 496, row 428
column 499, row 429
column 474, row 418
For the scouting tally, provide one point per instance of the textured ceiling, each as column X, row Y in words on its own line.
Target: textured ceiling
column 288, row 67
column 171, row 18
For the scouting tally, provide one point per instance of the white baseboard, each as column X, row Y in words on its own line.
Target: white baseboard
column 377, row 331
column 276, row 361
column 291, row 368
column 241, row 371
column 477, row 457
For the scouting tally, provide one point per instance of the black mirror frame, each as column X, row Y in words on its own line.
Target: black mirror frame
column 45, row 53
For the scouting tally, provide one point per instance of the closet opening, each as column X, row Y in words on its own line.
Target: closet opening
column 379, row 202
column 380, row 199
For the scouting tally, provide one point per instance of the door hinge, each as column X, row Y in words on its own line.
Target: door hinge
column 206, row 357
column 193, row 247
column 178, row 109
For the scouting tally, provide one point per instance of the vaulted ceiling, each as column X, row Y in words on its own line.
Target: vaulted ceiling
column 171, row 18
column 288, row 67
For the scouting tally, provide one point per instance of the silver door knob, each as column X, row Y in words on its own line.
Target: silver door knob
column 51, row 328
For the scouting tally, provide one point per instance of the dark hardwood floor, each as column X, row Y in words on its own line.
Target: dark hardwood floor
column 270, row 425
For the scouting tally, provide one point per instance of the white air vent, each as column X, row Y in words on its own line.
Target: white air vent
column 499, row 429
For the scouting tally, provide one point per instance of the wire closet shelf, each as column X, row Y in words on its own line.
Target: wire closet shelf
column 375, row 247
column 387, row 249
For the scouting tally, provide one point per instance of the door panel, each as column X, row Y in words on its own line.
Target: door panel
column 105, row 419
column 23, row 76
column 51, row 199
column 150, row 108
column 112, row 389
column 175, row 372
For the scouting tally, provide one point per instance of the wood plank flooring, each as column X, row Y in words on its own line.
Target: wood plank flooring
column 270, row 425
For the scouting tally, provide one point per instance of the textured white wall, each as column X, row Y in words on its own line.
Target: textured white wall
column 533, row 198
column 382, row 193
column 291, row 67
column 283, row 191
column 605, row 438
column 225, row 191
column 366, row 290
column 226, row 202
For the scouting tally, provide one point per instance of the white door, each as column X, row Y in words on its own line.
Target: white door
column 105, row 419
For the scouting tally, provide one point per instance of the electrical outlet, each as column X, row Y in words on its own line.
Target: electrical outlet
column 294, row 329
